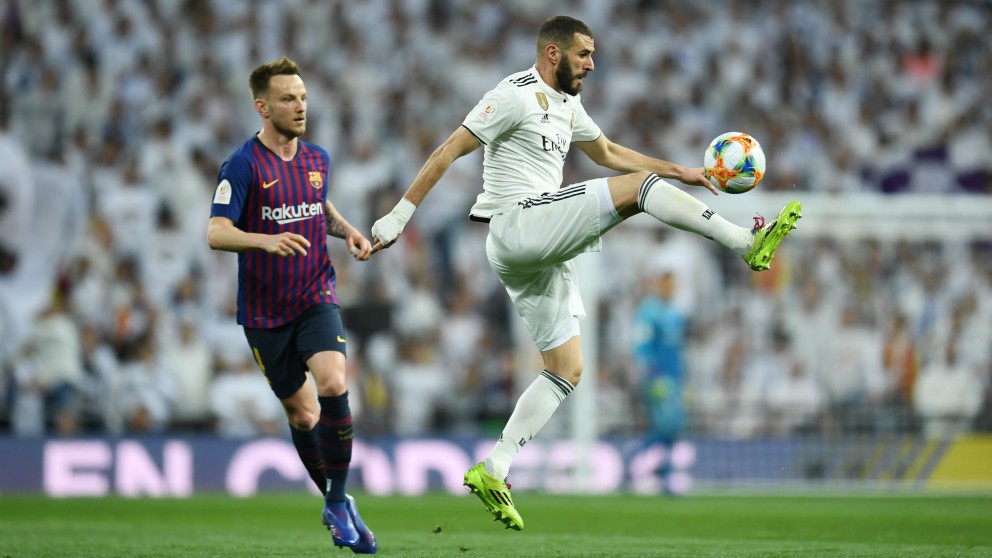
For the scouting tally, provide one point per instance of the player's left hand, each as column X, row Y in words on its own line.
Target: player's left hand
column 358, row 245
column 697, row 177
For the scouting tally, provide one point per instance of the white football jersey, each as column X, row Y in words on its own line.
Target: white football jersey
column 526, row 127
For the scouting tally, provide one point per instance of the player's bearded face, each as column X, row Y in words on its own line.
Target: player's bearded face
column 290, row 119
column 576, row 63
column 287, row 106
column 566, row 78
column 290, row 127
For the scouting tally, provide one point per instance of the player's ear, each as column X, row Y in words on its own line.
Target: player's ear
column 552, row 52
column 261, row 108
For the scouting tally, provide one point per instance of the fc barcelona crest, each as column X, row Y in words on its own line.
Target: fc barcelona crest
column 316, row 180
column 542, row 100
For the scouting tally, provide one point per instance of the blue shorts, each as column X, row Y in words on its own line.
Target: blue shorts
column 282, row 352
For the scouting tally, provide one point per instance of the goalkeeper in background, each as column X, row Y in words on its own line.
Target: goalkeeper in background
column 659, row 351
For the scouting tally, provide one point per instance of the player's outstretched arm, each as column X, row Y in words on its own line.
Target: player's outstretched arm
column 617, row 157
column 358, row 245
column 386, row 230
column 223, row 235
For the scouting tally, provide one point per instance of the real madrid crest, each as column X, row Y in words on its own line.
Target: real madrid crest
column 316, row 180
column 542, row 100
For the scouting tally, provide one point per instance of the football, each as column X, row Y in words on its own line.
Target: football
column 734, row 162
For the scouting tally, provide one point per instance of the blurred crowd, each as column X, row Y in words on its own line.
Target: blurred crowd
column 115, row 116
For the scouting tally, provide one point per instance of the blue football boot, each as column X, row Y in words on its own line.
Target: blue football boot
column 338, row 521
column 366, row 541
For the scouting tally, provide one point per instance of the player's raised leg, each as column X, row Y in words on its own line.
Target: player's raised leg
column 647, row 192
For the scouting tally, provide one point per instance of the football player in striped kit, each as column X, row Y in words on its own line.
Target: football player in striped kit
column 271, row 207
column 536, row 226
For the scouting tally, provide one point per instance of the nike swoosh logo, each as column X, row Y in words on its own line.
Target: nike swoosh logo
column 341, row 339
column 267, row 185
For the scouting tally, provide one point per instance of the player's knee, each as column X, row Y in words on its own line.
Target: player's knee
column 574, row 377
column 331, row 385
column 628, row 183
column 638, row 178
column 303, row 419
column 571, row 373
column 624, row 191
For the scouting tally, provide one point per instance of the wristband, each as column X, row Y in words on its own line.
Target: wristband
column 403, row 210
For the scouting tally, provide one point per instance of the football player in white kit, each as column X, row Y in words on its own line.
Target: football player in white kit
column 536, row 227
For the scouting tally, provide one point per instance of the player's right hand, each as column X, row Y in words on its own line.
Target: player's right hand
column 286, row 244
column 385, row 231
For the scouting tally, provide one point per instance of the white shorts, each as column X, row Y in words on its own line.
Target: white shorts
column 531, row 247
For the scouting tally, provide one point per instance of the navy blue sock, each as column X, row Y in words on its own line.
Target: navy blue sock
column 334, row 434
column 306, row 446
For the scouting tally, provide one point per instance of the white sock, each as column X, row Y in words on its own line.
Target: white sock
column 674, row 207
column 536, row 405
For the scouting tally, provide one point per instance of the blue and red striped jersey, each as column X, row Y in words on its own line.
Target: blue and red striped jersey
column 263, row 194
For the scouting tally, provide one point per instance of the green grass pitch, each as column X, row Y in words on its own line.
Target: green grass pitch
column 288, row 525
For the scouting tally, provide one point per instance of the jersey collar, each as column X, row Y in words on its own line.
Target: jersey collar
column 299, row 147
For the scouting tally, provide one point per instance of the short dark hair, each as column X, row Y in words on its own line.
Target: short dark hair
column 560, row 31
column 260, row 76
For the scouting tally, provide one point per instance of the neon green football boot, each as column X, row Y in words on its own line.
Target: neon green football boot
column 495, row 495
column 767, row 238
